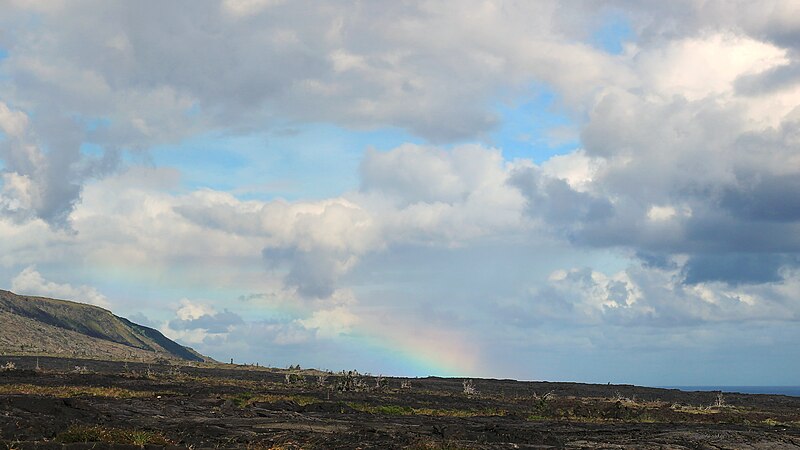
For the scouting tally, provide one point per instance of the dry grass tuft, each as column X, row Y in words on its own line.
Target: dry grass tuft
column 395, row 410
column 109, row 435
column 75, row 391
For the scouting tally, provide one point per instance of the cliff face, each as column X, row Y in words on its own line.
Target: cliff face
column 63, row 328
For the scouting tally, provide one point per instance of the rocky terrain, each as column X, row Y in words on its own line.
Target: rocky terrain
column 74, row 403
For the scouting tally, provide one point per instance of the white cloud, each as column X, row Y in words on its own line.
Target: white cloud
column 189, row 310
column 241, row 8
column 707, row 65
column 13, row 123
column 661, row 213
column 577, row 169
column 18, row 195
column 197, row 322
column 657, row 296
column 330, row 323
column 31, row 282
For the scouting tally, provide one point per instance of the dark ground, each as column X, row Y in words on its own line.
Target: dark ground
column 112, row 404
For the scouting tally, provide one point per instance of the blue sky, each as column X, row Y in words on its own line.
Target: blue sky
column 307, row 161
column 531, row 190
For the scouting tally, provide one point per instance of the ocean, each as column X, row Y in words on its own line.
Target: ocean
column 793, row 391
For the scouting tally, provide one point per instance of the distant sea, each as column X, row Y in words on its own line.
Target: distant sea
column 779, row 390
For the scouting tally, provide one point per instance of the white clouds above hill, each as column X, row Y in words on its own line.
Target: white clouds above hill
column 31, row 282
column 687, row 167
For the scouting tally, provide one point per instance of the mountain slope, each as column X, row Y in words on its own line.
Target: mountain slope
column 59, row 327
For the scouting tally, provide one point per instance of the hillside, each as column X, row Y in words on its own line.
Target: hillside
column 37, row 325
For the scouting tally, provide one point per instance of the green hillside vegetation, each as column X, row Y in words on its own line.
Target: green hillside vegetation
column 59, row 327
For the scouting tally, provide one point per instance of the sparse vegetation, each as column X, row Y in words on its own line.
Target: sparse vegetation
column 469, row 388
column 109, row 435
column 351, row 381
column 248, row 398
column 77, row 391
column 434, row 445
column 397, row 410
column 349, row 407
column 380, row 382
column 294, row 378
column 720, row 402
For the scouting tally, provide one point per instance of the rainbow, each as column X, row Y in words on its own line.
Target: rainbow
column 412, row 347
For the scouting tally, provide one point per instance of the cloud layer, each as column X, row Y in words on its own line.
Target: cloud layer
column 677, row 209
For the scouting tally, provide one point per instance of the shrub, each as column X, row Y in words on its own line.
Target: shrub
column 351, row 381
column 469, row 388
column 293, row 378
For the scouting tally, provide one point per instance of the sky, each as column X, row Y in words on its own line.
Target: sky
column 596, row 191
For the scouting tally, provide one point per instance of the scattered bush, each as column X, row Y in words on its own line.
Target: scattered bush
column 469, row 388
column 351, row 381
column 380, row 382
column 294, row 378
column 541, row 403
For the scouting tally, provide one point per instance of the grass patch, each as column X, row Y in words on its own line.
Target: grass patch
column 776, row 423
column 696, row 410
column 75, row 391
column 209, row 381
column 248, row 398
column 538, row 418
column 646, row 418
column 432, row 445
column 242, row 399
column 108, row 435
column 395, row 410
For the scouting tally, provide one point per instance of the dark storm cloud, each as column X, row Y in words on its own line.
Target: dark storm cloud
column 558, row 203
column 765, row 198
column 729, row 188
column 741, row 268
column 655, row 260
